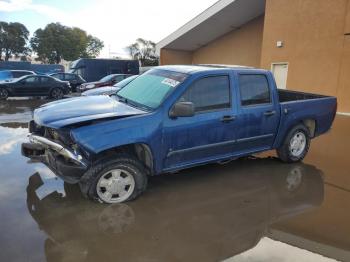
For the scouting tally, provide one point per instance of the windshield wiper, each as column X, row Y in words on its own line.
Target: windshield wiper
column 133, row 103
column 122, row 99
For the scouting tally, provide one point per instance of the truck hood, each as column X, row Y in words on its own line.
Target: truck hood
column 81, row 109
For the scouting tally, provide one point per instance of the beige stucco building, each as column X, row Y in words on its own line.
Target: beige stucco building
column 306, row 43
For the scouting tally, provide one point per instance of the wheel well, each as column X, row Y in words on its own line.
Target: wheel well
column 311, row 125
column 139, row 150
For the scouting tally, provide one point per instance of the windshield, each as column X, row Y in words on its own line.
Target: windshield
column 106, row 78
column 124, row 82
column 152, row 87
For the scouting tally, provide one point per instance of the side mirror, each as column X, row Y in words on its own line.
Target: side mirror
column 182, row 109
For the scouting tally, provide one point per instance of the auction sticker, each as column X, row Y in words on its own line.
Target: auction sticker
column 170, row 82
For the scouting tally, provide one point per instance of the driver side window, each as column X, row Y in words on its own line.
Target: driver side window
column 209, row 93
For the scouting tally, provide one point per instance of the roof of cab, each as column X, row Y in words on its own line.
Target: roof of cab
column 190, row 69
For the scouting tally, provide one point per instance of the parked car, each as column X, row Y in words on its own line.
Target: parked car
column 34, row 85
column 109, row 90
column 93, row 69
column 172, row 118
column 73, row 79
column 10, row 74
column 105, row 81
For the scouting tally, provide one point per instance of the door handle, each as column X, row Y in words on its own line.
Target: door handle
column 226, row 119
column 270, row 113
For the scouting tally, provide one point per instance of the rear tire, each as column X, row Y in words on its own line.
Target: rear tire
column 296, row 144
column 56, row 93
column 114, row 180
column 4, row 94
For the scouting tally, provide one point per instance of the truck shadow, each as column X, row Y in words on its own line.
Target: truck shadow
column 207, row 213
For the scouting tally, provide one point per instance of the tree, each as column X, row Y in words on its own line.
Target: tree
column 144, row 51
column 94, row 47
column 56, row 42
column 13, row 39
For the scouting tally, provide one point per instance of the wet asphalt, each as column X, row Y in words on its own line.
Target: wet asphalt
column 252, row 209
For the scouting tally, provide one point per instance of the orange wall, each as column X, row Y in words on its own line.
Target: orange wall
column 241, row 46
column 314, row 45
column 175, row 57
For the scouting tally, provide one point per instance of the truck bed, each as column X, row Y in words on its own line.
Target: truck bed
column 288, row 95
column 296, row 106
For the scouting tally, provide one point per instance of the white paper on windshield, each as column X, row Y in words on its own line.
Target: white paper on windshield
column 170, row 82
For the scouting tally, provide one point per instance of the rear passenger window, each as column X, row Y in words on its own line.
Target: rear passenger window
column 210, row 93
column 254, row 90
column 45, row 79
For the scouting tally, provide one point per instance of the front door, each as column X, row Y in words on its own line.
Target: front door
column 259, row 113
column 210, row 133
column 28, row 86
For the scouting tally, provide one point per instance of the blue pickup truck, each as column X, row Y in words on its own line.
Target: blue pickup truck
column 172, row 118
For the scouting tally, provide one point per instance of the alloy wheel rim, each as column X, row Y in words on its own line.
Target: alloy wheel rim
column 56, row 93
column 3, row 93
column 297, row 144
column 115, row 186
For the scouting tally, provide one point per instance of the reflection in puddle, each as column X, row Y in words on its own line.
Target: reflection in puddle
column 10, row 137
column 191, row 216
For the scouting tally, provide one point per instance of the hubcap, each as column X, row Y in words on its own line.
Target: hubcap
column 116, row 219
column 297, row 144
column 115, row 186
column 294, row 179
column 56, row 93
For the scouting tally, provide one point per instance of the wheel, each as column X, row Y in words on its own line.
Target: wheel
column 296, row 145
column 114, row 180
column 56, row 93
column 4, row 94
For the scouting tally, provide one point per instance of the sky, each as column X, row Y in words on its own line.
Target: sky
column 117, row 23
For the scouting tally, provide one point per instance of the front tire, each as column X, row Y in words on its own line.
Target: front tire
column 4, row 94
column 296, row 145
column 114, row 180
column 56, row 93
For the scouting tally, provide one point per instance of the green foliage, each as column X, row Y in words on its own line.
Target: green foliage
column 144, row 51
column 94, row 46
column 56, row 42
column 13, row 39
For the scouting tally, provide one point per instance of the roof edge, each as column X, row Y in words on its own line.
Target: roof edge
column 210, row 11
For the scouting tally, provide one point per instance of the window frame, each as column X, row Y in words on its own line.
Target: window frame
column 268, row 88
column 210, row 110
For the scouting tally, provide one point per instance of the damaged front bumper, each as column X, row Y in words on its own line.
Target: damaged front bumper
column 64, row 162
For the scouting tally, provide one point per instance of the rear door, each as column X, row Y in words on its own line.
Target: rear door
column 46, row 83
column 259, row 112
